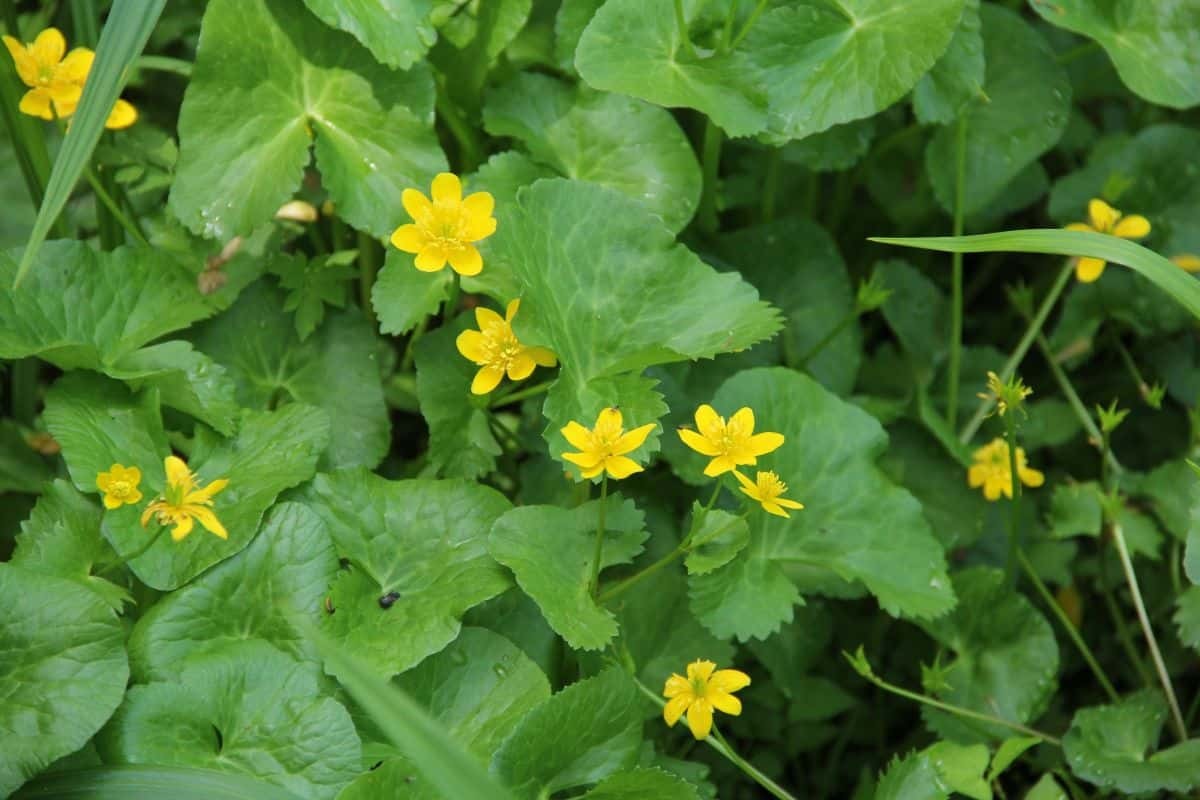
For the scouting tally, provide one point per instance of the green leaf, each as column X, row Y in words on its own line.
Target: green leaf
column 1109, row 747
column 124, row 35
column 272, row 451
column 472, row 40
column 814, row 292
column 62, row 538
column 1187, row 617
column 403, row 296
column 268, row 79
column 550, row 550
column 604, row 718
column 1155, row 48
column 185, row 379
column 335, row 369
column 825, row 64
column 961, row 768
column 397, row 32
column 639, row 784
column 856, row 527
column 283, row 574
column 616, row 141
column 958, row 75
column 461, row 441
column 1075, row 510
column 1008, row 752
column 62, row 674
column 129, row 782
column 21, row 468
column 911, row 778
column 1047, row 789
column 1006, row 657
column 1158, row 270
column 425, row 743
column 312, row 286
column 423, row 541
column 1023, row 114
column 246, row 709
column 720, row 538
column 635, row 48
column 917, row 312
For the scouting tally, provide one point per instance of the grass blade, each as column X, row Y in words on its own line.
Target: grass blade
column 125, row 33
column 441, row 760
column 144, row 782
column 1158, row 270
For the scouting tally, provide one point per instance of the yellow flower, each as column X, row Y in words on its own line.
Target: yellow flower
column 604, row 447
column 184, row 501
column 768, row 490
column 445, row 229
column 993, row 471
column 497, row 351
column 120, row 486
column 55, row 78
column 1103, row 218
column 1188, row 262
column 700, row 692
column 731, row 444
column 1006, row 394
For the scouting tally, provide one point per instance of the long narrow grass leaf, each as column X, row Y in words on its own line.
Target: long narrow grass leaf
column 442, row 761
column 125, row 33
column 1158, row 270
column 138, row 782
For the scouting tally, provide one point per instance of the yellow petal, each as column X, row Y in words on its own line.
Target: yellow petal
column 747, row 485
column 511, row 309
column 466, row 261
column 1135, row 226
column 76, row 66
column 416, row 204
column 772, row 507
column 470, row 344
column 521, row 367
column 182, row 528
column 48, row 48
column 446, row 189
column 1187, row 262
column 430, row 259
column 104, row 479
column 486, row 318
column 111, row 502
column 27, row 68
column 765, row 443
column 542, row 356
column 592, row 472
column 783, row 501
column 698, row 443
column 177, row 471
column 719, row 466
column 609, row 418
column 621, row 467
column 408, row 238
column 479, row 228
column 36, row 103
column 699, row 718
column 674, row 709
column 709, row 423
column 487, row 379
column 729, row 680
column 133, row 475
column 147, row 512
column 578, row 436
column 123, row 115
column 65, row 96
column 587, row 460
column 1102, row 215
column 1088, row 270
column 676, row 685
column 633, row 440
column 133, row 497
column 992, row 489
column 209, row 520
column 725, row 702
column 1080, row 226
column 976, row 475
column 479, row 204
column 700, row 670
column 480, row 222
column 743, row 419
column 1032, row 478
column 206, row 494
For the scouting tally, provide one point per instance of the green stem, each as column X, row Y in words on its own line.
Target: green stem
column 718, row 743
column 114, row 209
column 24, row 377
column 470, row 149
column 753, row 18
column 711, row 167
column 368, row 267
column 107, row 568
column 1131, row 654
column 770, row 185
column 1069, row 626
column 1014, row 360
column 1081, row 413
column 1014, row 519
column 960, row 711
column 450, row 307
column 175, row 66
column 956, row 274
column 410, row 349
column 833, row 333
column 521, row 394
column 1077, row 52
column 594, row 583
column 1130, row 365
column 681, row 27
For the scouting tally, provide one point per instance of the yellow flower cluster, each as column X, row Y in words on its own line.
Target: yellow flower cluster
column 55, row 78
column 183, row 502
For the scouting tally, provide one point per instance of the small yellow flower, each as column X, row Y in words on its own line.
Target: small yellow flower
column 700, row 692
column 55, row 78
column 120, row 486
column 1006, row 394
column 731, row 444
column 498, row 351
column 768, row 490
column 604, row 447
column 1103, row 218
column 993, row 471
column 184, row 501
column 1189, row 262
column 446, row 228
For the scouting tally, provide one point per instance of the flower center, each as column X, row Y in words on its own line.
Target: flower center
column 501, row 347
column 444, row 228
column 45, row 74
column 119, row 489
column 699, row 687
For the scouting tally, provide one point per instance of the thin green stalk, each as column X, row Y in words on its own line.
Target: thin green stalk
column 594, row 583
column 727, row 31
column 1014, row 518
column 114, row 210
column 1151, row 641
column 450, row 307
column 718, row 743
column 956, row 275
column 681, row 27
column 1081, row 412
column 1131, row 654
column 753, row 18
column 1018, row 354
column 1072, row 632
column 711, row 167
column 85, row 19
column 521, row 394
column 470, row 149
column 141, row 551
column 368, row 267
column 1077, row 52
column 410, row 349
column 1132, row 367
column 833, row 333
column 770, row 185
column 175, row 66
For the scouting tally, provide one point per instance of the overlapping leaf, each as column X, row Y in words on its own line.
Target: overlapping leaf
column 397, row 32
column 958, row 75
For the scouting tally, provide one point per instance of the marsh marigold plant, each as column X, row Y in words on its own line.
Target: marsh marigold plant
column 445, row 228
column 605, row 447
column 704, row 689
column 992, row 470
column 497, row 350
column 120, row 486
column 184, row 502
column 730, row 444
column 767, row 490
column 1103, row 218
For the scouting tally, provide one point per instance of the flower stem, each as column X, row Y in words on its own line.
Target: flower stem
column 106, row 199
column 141, row 551
column 1110, row 463
column 521, row 394
column 956, row 274
column 1014, row 519
column 175, row 66
column 753, row 18
column 1069, row 626
column 682, row 27
column 770, row 185
column 706, row 216
column 1027, row 340
column 833, row 333
column 594, row 584
column 450, row 308
column 406, row 361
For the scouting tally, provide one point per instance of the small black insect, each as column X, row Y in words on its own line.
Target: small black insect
column 388, row 600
